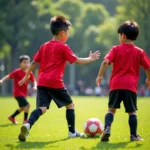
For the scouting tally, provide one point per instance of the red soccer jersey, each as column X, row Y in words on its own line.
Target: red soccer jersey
column 17, row 75
column 126, row 60
column 52, row 57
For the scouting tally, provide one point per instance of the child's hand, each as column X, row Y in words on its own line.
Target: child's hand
column 98, row 80
column 1, row 82
column 95, row 55
column 34, row 88
column 21, row 82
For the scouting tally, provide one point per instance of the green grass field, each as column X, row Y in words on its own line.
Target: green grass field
column 50, row 132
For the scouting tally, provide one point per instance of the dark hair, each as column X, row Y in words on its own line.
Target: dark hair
column 23, row 57
column 130, row 29
column 59, row 23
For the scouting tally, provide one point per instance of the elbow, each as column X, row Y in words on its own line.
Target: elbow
column 106, row 62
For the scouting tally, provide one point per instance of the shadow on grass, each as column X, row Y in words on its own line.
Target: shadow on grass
column 7, row 125
column 36, row 144
column 115, row 146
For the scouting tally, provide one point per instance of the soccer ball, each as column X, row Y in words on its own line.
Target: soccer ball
column 93, row 127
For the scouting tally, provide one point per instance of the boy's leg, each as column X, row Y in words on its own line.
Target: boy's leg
column 21, row 102
column 130, row 104
column 62, row 98
column 43, row 102
column 109, row 117
column 17, row 112
column 70, row 116
column 115, row 98
column 26, row 113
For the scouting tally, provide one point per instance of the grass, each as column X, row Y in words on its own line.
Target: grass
column 50, row 132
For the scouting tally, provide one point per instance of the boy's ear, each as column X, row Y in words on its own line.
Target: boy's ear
column 62, row 33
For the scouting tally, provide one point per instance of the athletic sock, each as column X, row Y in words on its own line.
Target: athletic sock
column 34, row 116
column 133, row 124
column 25, row 115
column 70, row 116
column 109, row 117
column 15, row 113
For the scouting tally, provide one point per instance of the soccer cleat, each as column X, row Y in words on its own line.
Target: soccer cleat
column 13, row 120
column 25, row 121
column 24, row 132
column 106, row 134
column 76, row 134
column 135, row 138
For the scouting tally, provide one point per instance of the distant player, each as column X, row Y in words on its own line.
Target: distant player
column 20, row 92
column 126, row 60
column 52, row 57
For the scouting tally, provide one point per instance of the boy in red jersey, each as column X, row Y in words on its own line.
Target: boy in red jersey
column 52, row 57
column 126, row 59
column 20, row 92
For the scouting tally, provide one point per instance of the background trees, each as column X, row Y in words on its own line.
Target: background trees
column 24, row 26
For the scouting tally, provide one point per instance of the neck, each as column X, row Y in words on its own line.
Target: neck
column 56, row 38
column 128, row 42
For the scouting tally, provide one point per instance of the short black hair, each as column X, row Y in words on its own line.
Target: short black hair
column 23, row 57
column 59, row 23
column 130, row 29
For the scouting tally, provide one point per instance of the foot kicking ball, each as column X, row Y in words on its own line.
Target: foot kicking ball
column 93, row 127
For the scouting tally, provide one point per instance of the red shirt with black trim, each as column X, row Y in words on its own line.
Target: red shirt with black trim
column 126, row 60
column 52, row 57
column 17, row 75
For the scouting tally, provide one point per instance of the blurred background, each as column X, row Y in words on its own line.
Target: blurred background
column 24, row 26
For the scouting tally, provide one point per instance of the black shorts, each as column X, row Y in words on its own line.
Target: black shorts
column 22, row 101
column 129, row 99
column 45, row 95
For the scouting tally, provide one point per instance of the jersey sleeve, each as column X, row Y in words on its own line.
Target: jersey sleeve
column 12, row 74
column 32, row 78
column 69, row 55
column 110, row 55
column 145, row 61
column 37, row 56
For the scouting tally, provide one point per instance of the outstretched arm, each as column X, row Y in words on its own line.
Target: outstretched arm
column 32, row 67
column 4, row 78
column 103, row 67
column 92, row 57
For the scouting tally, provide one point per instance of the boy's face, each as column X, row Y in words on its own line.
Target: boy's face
column 25, row 64
column 64, row 35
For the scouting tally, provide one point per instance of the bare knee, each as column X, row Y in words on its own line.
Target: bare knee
column 70, row 106
column 131, row 113
column 43, row 109
column 21, row 109
column 112, row 110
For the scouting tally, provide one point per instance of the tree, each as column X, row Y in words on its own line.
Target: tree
column 138, row 11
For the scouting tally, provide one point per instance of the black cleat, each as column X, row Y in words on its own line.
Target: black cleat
column 106, row 135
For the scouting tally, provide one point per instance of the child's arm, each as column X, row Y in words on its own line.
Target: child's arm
column 103, row 67
column 92, row 57
column 4, row 78
column 31, row 67
column 148, row 78
column 35, row 85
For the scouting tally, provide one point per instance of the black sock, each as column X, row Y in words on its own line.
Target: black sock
column 25, row 115
column 109, row 117
column 15, row 113
column 34, row 116
column 70, row 116
column 133, row 124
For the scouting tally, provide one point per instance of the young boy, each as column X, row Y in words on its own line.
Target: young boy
column 52, row 57
column 126, row 59
column 20, row 92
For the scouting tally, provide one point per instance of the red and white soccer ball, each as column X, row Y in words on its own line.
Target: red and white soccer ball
column 93, row 127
